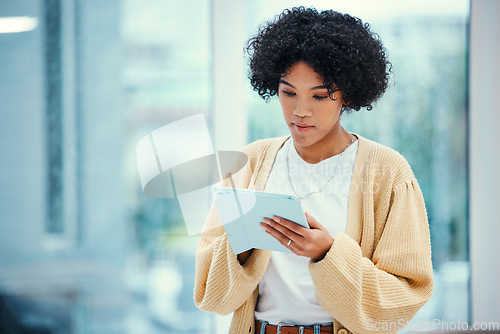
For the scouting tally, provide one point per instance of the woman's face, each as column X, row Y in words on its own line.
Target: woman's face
column 311, row 115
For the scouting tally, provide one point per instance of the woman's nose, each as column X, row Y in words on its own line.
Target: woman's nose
column 301, row 109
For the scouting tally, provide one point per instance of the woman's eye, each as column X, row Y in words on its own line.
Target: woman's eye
column 320, row 97
column 288, row 93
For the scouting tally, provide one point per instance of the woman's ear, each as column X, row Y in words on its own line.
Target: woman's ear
column 345, row 103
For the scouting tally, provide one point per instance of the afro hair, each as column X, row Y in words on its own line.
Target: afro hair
column 339, row 47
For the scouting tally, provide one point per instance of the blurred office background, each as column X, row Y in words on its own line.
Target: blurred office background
column 83, row 250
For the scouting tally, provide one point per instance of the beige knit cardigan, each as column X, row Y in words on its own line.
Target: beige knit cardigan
column 375, row 277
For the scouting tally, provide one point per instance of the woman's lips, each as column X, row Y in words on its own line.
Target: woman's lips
column 302, row 127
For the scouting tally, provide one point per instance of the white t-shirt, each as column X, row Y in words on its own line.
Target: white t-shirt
column 286, row 291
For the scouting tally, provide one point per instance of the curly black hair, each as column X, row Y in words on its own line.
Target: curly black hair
column 339, row 47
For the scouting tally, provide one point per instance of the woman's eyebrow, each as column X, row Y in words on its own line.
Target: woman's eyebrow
column 286, row 83
column 319, row 87
column 315, row 87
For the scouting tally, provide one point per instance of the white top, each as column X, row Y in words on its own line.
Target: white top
column 286, row 291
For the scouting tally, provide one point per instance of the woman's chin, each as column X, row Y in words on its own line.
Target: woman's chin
column 302, row 139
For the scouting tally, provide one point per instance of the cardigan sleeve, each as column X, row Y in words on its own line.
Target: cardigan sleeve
column 386, row 291
column 222, row 284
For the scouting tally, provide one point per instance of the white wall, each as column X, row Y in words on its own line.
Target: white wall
column 484, row 159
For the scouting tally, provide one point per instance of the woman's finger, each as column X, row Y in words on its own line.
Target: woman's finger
column 281, row 226
column 297, row 228
column 282, row 238
column 313, row 223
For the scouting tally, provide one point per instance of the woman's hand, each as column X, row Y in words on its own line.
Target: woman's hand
column 313, row 242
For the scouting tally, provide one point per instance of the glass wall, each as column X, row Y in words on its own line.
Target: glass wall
column 83, row 249
column 166, row 76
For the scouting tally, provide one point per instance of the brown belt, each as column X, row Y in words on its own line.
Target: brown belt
column 283, row 329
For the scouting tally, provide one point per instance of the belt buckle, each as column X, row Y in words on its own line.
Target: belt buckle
column 283, row 324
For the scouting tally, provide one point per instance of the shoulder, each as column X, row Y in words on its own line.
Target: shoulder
column 385, row 161
column 264, row 147
column 256, row 155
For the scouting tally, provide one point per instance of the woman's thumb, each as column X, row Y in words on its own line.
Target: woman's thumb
column 313, row 223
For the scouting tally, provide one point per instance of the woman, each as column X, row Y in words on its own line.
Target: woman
column 365, row 263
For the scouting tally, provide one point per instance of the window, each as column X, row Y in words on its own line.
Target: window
column 83, row 250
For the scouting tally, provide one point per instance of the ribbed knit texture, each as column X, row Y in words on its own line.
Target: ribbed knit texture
column 378, row 273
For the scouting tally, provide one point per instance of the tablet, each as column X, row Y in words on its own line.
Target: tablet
column 242, row 210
